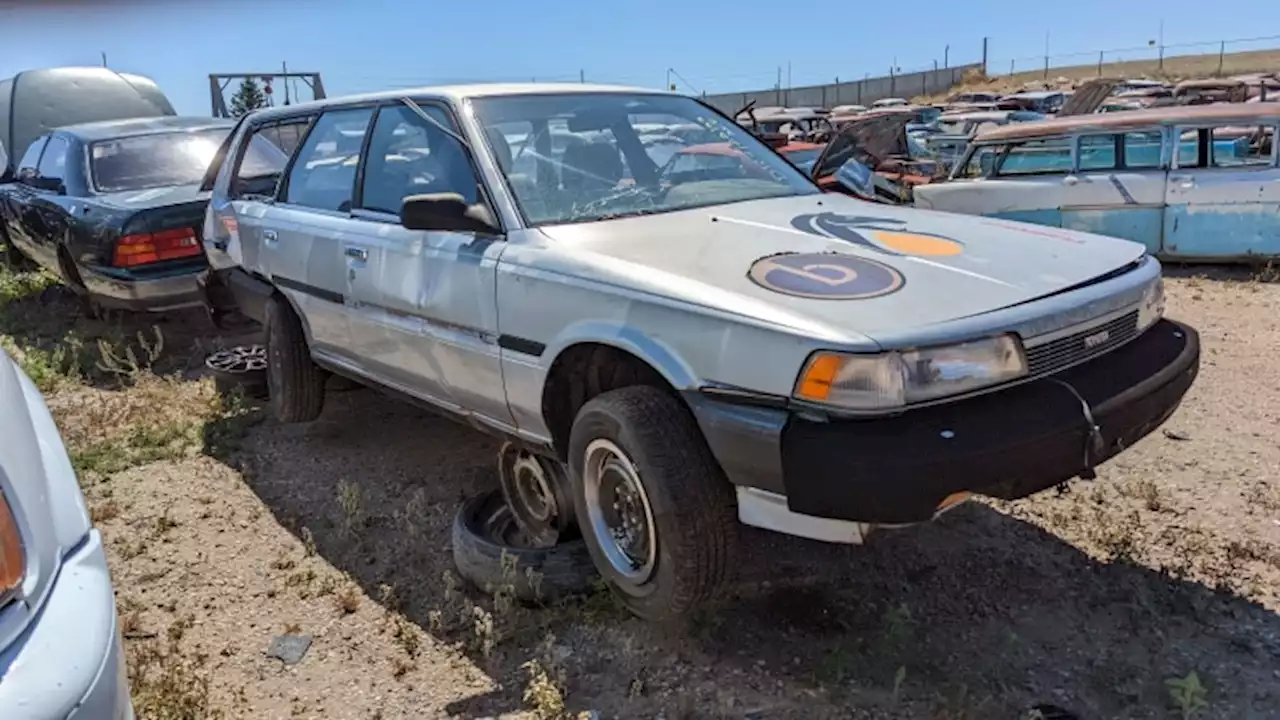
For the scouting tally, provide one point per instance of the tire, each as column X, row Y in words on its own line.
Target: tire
column 483, row 531
column 295, row 384
column 689, row 502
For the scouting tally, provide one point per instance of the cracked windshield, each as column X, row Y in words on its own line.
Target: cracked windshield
column 593, row 361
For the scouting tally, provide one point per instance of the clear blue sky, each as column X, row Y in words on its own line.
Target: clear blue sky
column 715, row 45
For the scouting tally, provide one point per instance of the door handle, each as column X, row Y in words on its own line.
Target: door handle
column 357, row 253
column 270, row 237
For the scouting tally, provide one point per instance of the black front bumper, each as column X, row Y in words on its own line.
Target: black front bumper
column 1007, row 444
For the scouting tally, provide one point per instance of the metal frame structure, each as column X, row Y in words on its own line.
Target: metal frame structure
column 219, row 82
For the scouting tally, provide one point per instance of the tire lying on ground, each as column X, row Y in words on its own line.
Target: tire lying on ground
column 484, row 530
column 242, row 367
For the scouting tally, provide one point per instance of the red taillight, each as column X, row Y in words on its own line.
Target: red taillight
column 144, row 248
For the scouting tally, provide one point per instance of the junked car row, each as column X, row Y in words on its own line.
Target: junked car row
column 675, row 327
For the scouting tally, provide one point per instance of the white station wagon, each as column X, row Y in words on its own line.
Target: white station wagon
column 697, row 347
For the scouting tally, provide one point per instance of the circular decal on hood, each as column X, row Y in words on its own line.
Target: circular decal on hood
column 825, row 276
column 887, row 236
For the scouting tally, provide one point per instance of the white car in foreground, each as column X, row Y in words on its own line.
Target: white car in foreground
column 60, row 649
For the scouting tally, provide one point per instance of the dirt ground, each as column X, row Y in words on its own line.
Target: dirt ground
column 1149, row 593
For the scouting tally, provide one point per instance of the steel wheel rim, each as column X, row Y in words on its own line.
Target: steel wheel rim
column 619, row 512
column 238, row 360
column 533, row 490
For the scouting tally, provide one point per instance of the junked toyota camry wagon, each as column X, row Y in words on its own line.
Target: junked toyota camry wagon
column 723, row 343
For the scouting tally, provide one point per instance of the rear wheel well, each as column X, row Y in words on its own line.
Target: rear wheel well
column 582, row 372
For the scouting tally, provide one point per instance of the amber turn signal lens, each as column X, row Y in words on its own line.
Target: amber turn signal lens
column 816, row 383
column 12, row 563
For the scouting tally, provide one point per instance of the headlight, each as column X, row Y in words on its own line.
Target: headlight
column 899, row 378
column 1152, row 307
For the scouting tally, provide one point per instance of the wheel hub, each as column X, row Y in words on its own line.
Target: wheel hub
column 619, row 512
column 534, row 490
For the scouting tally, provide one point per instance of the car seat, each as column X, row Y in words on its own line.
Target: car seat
column 590, row 170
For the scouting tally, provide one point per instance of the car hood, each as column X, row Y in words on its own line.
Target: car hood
column 154, row 197
column 851, row 268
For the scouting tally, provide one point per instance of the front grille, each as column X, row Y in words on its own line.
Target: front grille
column 1077, row 347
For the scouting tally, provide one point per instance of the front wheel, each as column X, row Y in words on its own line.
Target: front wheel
column 654, row 507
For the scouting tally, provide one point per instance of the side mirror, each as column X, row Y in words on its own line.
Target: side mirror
column 446, row 212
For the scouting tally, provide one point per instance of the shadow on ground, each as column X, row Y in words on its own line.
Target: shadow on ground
column 975, row 616
column 59, row 339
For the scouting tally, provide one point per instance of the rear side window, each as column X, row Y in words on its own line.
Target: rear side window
column 324, row 173
column 1241, row 147
column 265, row 158
column 409, row 155
column 27, row 166
column 53, row 163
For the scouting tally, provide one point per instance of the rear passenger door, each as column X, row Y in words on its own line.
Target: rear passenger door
column 1223, row 199
column 302, row 231
column 424, row 308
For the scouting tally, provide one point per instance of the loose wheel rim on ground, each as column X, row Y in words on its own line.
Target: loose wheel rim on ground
column 238, row 360
column 619, row 512
column 535, row 493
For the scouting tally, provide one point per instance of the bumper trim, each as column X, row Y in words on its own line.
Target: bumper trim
column 1008, row 444
column 160, row 294
column 769, row 511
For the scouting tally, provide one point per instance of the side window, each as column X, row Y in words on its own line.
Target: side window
column 324, row 173
column 1142, row 150
column 1036, row 157
column 981, row 162
column 1098, row 152
column 27, row 166
column 1189, row 148
column 53, row 163
column 1240, row 147
column 265, row 157
column 409, row 155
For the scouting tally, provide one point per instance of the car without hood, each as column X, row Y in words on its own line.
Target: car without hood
column 687, row 354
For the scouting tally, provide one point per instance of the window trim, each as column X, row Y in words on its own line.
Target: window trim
column 1072, row 145
column 242, row 149
column 35, row 169
column 66, row 152
column 282, row 189
column 483, row 194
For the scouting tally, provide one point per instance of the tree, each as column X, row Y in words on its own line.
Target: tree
column 248, row 98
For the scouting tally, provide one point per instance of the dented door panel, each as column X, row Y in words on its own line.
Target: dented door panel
column 424, row 316
column 1222, row 214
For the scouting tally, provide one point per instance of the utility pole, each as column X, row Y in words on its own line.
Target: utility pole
column 1046, row 54
column 946, row 56
column 1161, row 61
column 284, row 67
column 984, row 55
column 582, row 76
column 788, row 101
column 104, row 59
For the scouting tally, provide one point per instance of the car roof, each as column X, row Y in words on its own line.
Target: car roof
column 459, row 92
column 1170, row 115
column 110, row 129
